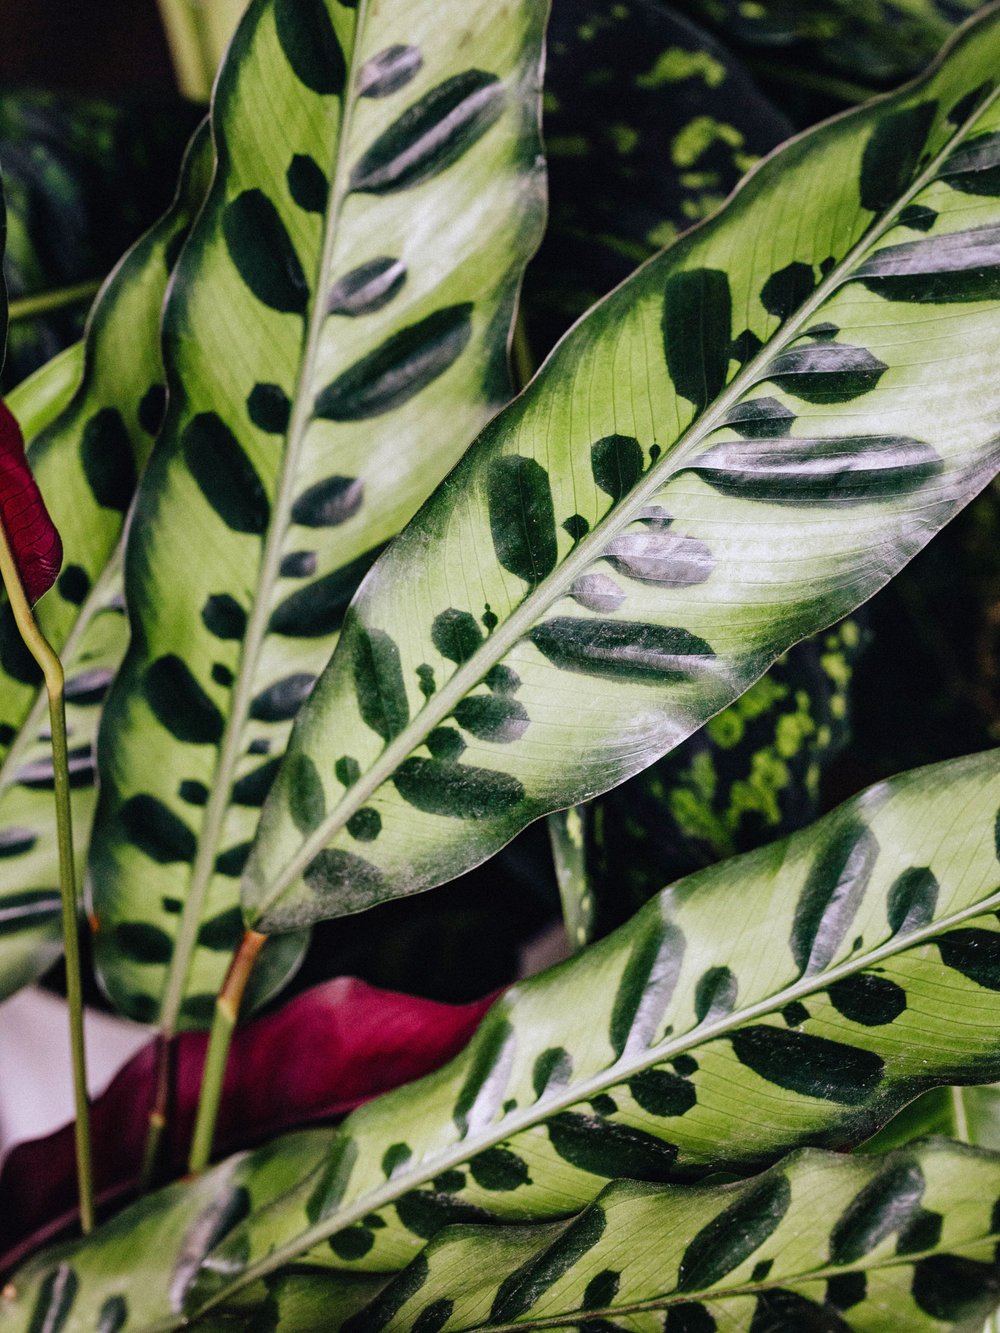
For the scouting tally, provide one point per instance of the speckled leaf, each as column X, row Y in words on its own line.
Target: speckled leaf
column 89, row 418
column 643, row 553
column 861, row 965
column 820, row 1242
column 335, row 335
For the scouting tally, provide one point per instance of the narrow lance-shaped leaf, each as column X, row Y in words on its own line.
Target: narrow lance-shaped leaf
column 336, row 334
column 31, row 536
column 819, row 1242
column 736, row 448
column 85, row 456
column 861, row 965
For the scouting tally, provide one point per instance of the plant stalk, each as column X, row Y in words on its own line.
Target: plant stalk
column 193, row 68
column 159, row 1113
column 227, row 1011
column 26, row 307
column 52, row 672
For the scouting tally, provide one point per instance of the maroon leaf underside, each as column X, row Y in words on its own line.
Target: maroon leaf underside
column 323, row 1054
column 31, row 534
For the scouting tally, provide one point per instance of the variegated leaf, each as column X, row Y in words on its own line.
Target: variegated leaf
column 736, row 448
column 860, row 965
column 335, row 335
column 89, row 418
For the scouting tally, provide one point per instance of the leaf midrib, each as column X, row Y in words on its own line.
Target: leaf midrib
column 203, row 868
column 503, row 639
column 626, row 1067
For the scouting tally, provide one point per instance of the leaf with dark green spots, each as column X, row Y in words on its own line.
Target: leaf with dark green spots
column 811, row 1066
column 621, row 649
column 825, row 372
column 956, row 268
column 735, row 1234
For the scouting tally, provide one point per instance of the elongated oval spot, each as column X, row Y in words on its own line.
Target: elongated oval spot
column 553, row 1069
column 597, row 593
column 431, row 134
column 732, row 1236
column 715, row 994
column 622, row 649
column 662, row 1093
column 311, row 45
column 867, row 999
column 975, row 167
column 492, row 717
column 661, row 557
column 349, row 881
column 826, row 371
column 253, row 788
column 940, row 270
column 954, row 1289
column 499, row 1169
column 223, row 616
column 108, row 460
column 610, row 1150
column 156, row 831
column 268, row 408
column 760, row 418
column 193, row 792
column 378, row 682
column 831, row 895
column 616, row 462
column 442, row 787
column 922, row 1232
column 113, row 1315
column 518, row 1292
column 16, row 841
column 307, row 184
column 456, row 635
column 697, row 331
column 398, row 370
column 232, row 861
column 179, row 703
column 389, row 70
column 777, row 1310
column 786, row 290
column 884, row 1206
column 281, row 701
column 304, row 792
column 222, row 933
column 227, row 1209
column 28, row 910
column 365, row 824
column 522, row 519
column 892, row 155
column 88, row 687
column 367, row 288
column 225, row 475
column 918, row 216
column 646, row 987
column 974, row 953
column 55, row 1300
column 852, row 470
column 810, row 1066
column 445, row 743
column 40, row 773
column 298, row 565
column 263, row 253
column 329, row 503
column 140, row 942
column 319, row 608
column 912, row 900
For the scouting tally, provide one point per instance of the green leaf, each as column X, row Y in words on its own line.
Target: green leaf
column 820, row 1241
column 335, row 335
column 728, row 519
column 861, row 965
column 89, row 418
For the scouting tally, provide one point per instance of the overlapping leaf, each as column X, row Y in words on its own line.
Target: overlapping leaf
column 861, row 964
column 89, row 428
column 821, row 1242
column 335, row 336
column 736, row 448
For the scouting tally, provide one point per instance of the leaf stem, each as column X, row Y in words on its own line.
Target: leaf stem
column 52, row 671
column 227, row 1010
column 159, row 1113
column 183, row 23
column 27, row 307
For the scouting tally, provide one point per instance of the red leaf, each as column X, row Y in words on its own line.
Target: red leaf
column 32, row 535
column 327, row 1051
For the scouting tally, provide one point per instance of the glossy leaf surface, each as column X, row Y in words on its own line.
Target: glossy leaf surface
column 736, row 448
column 860, row 967
column 336, row 334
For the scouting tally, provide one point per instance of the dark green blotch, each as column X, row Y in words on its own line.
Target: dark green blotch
column 603, row 1105
column 298, row 565
column 610, row 1150
column 329, row 503
column 760, row 419
column 227, row 1209
column 268, row 408
column 795, row 1014
column 15, row 842
column 921, row 1233
column 622, row 649
column 697, row 330
column 951, row 1288
column 380, row 1312
column 253, row 788
column 74, row 584
column 395, row 1156
column 113, row 1315
column 389, row 70
column 156, row 831
column 425, row 1213
column 576, row 526
column 434, row 1317
column 660, row 1092
column 745, row 346
column 492, row 717
column 499, row 1169
column 503, row 679
column 456, row 635
column 223, row 932
column 431, row 134
column 140, row 942
column 918, row 216
column 348, row 880
column 782, row 1311
column 263, row 254
column 406, row 363
column 89, row 687
column 232, row 861
column 318, row 609
column 180, row 704
column 524, row 1287
column 281, row 701
column 868, row 999
column 715, row 994
column 732, row 1236
column 441, row 787
column 367, row 288
column 365, row 824
column 199, row 1009
column 892, row 155
column 973, row 952
column 912, row 900
column 522, row 519
column 445, row 743
column 223, row 616
column 225, row 475
column 55, row 1300
column 347, row 770
column 152, row 407
column 617, row 464
column 425, row 679
column 107, row 459
column 939, row 270
column 787, row 289
column 193, row 792
column 810, row 1066
column 689, row 1318
column 826, row 371
column 352, row 1243
column 553, row 1068
column 378, row 682
column 846, row 1290
column 832, row 894
column 602, row 1289
column 884, row 1206
column 15, row 659
column 310, row 44
column 28, row 909
column 222, row 675
column 307, row 184
column 974, row 168
column 304, row 792
column 449, row 1182
column 647, row 983
column 969, row 103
